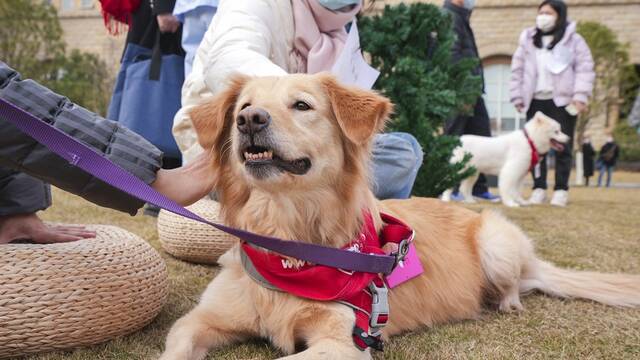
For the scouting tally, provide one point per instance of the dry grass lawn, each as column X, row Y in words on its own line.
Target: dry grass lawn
column 599, row 231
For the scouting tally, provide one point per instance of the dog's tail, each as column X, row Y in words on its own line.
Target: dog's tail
column 611, row 289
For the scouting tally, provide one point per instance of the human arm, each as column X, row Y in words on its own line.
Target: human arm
column 120, row 145
column 584, row 74
column 517, row 74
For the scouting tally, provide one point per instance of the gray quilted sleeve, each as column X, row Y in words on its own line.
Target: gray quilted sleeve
column 122, row 146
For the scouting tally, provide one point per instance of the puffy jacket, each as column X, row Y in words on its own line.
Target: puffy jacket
column 20, row 152
column 465, row 46
column 252, row 37
column 573, row 83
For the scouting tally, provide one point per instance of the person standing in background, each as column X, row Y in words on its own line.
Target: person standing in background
column 552, row 72
column 607, row 160
column 151, row 26
column 587, row 159
column 477, row 123
column 195, row 16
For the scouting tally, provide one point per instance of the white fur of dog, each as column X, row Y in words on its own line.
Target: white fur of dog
column 507, row 156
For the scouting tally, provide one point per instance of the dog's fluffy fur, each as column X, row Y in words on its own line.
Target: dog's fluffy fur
column 508, row 156
column 470, row 259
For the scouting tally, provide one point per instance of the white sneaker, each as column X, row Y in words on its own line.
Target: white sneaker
column 538, row 196
column 560, row 198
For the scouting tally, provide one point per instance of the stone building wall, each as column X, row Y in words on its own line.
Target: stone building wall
column 84, row 30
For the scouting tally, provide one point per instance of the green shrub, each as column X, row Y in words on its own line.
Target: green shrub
column 31, row 42
column 629, row 141
column 411, row 46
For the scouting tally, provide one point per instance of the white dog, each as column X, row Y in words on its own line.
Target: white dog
column 509, row 156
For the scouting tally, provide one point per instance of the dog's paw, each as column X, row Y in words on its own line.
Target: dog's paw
column 524, row 202
column 510, row 305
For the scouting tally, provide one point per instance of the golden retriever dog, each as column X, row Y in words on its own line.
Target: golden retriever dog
column 291, row 159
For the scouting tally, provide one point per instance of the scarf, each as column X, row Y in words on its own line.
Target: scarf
column 319, row 34
column 117, row 13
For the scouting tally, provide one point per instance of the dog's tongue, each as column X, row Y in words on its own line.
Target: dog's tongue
column 557, row 146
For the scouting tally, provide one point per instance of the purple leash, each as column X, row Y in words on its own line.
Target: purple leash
column 96, row 164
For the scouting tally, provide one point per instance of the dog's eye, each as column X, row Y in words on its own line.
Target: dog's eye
column 301, row 106
column 245, row 106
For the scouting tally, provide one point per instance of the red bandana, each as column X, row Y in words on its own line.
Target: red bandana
column 324, row 283
column 535, row 157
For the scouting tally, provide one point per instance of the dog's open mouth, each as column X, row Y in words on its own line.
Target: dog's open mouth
column 257, row 157
column 557, row 145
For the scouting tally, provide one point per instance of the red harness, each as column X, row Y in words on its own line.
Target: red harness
column 365, row 293
column 535, row 157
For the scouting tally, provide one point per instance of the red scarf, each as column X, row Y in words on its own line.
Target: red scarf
column 324, row 283
column 118, row 12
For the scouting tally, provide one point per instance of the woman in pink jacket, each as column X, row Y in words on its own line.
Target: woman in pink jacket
column 552, row 72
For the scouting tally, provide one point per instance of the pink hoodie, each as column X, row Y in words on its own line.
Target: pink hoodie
column 573, row 82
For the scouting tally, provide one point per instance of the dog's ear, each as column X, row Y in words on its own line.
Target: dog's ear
column 360, row 113
column 212, row 117
column 539, row 117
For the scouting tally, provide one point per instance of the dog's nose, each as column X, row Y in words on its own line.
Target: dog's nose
column 252, row 120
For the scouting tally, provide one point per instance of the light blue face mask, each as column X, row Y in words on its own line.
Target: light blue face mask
column 337, row 4
column 469, row 4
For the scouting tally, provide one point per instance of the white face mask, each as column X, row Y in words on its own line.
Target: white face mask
column 545, row 22
column 337, row 4
column 469, row 4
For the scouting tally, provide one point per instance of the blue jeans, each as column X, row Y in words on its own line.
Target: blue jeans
column 196, row 23
column 397, row 157
column 604, row 167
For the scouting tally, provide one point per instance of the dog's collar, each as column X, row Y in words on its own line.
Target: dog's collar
column 364, row 292
column 535, row 156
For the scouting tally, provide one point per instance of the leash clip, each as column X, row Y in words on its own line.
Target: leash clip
column 379, row 308
column 403, row 249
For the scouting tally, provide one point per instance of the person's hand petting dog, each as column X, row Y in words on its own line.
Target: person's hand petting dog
column 188, row 184
column 29, row 227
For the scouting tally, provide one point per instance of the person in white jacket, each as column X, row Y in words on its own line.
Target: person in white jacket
column 279, row 37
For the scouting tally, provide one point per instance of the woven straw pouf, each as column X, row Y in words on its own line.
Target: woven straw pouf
column 61, row 296
column 190, row 240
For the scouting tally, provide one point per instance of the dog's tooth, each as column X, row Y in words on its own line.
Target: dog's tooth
column 247, row 155
column 259, row 155
column 270, row 154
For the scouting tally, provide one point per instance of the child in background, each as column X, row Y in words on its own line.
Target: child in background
column 607, row 159
column 587, row 159
column 195, row 16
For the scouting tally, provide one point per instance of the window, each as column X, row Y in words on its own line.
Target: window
column 503, row 115
column 68, row 5
column 86, row 4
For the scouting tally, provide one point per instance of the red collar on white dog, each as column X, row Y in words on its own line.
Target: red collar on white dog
column 535, row 156
column 365, row 293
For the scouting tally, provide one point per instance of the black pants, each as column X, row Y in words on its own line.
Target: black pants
column 563, row 159
column 476, row 124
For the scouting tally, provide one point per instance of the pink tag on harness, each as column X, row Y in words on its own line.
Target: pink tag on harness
column 406, row 270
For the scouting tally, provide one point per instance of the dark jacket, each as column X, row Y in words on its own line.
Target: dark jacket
column 21, row 153
column 144, row 27
column 609, row 153
column 588, row 154
column 465, row 45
